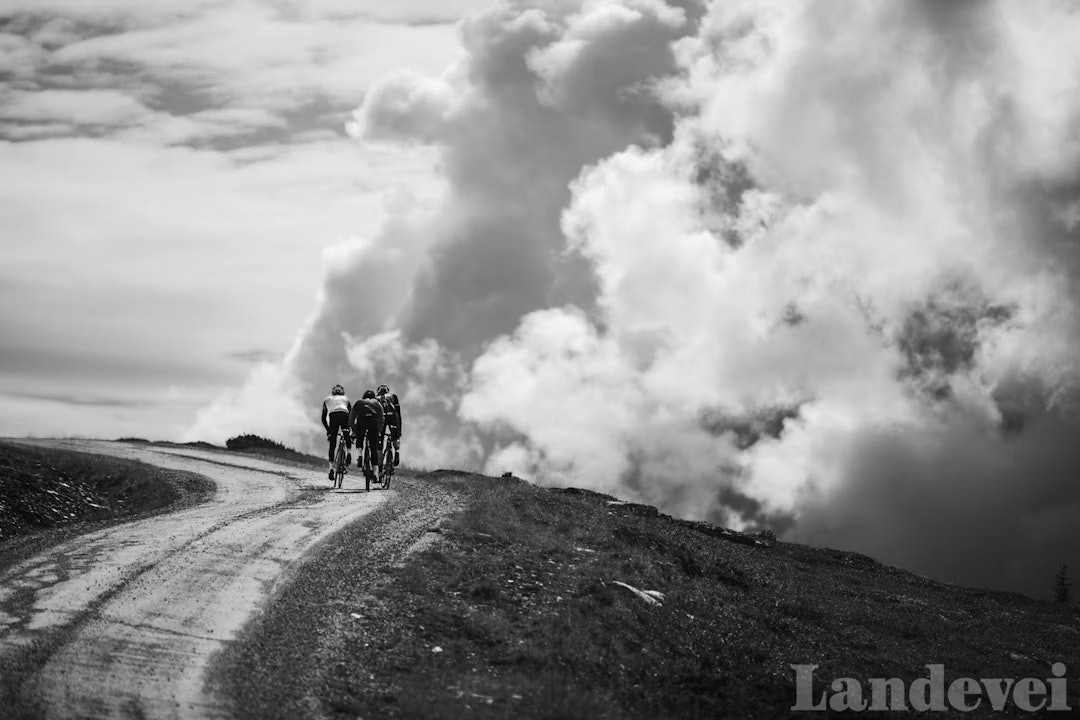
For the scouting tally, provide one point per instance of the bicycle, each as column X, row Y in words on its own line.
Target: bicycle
column 387, row 458
column 363, row 460
column 341, row 465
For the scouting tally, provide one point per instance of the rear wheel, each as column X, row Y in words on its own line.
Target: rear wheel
column 387, row 465
column 339, row 462
column 367, row 468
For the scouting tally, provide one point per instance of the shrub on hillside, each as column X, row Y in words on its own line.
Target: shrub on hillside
column 1062, row 585
column 254, row 442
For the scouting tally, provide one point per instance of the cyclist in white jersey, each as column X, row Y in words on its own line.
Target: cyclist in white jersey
column 335, row 414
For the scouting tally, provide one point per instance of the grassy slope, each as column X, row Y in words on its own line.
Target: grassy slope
column 515, row 614
column 48, row 496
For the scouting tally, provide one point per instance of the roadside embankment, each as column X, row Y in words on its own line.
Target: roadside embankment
column 49, row 494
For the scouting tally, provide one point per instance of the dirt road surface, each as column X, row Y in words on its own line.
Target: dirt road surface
column 121, row 622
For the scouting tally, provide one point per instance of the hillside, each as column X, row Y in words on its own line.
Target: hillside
column 558, row 603
column 515, row 609
column 48, row 494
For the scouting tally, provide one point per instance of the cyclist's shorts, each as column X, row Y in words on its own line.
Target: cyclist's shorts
column 337, row 420
column 368, row 425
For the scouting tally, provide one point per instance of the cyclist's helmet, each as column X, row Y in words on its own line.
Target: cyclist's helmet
column 369, row 395
column 383, row 389
column 337, row 390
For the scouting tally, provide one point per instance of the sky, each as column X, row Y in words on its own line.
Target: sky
column 810, row 266
column 172, row 175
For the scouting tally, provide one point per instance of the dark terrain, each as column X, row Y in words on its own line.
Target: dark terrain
column 511, row 609
column 515, row 613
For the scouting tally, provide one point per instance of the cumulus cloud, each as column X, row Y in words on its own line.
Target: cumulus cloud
column 268, row 404
column 404, row 106
column 800, row 264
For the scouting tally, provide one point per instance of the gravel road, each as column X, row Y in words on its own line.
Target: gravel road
column 121, row 622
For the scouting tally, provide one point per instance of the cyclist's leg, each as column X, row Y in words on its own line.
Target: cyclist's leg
column 395, row 440
column 339, row 452
column 382, row 439
column 333, row 448
column 355, row 428
column 332, row 441
column 362, row 450
column 361, row 446
column 337, row 421
column 374, row 435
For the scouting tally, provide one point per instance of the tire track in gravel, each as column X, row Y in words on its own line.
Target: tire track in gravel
column 122, row 622
column 285, row 663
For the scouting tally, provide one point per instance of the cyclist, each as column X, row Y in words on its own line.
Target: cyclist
column 336, row 409
column 366, row 421
column 392, row 413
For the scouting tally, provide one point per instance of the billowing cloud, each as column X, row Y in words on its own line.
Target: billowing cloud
column 404, row 106
column 463, row 269
column 807, row 264
column 268, row 404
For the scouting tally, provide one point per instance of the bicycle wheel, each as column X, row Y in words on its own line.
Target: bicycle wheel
column 339, row 461
column 387, row 464
column 367, row 466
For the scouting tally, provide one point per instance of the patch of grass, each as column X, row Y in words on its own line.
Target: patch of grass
column 254, row 442
column 48, row 494
column 251, row 445
column 270, row 449
column 201, row 444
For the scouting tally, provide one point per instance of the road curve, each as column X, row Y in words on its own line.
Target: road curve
column 122, row 621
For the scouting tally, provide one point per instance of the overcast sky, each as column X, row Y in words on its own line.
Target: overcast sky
column 805, row 264
column 171, row 174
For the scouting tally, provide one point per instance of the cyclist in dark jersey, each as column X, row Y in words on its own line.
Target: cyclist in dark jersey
column 366, row 421
column 335, row 414
column 392, row 415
